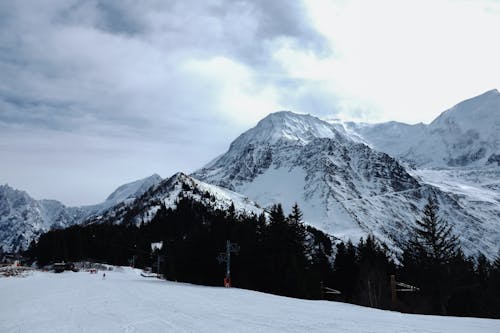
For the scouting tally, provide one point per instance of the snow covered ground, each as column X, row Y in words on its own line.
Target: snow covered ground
column 127, row 302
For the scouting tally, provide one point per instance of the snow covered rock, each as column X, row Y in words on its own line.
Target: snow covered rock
column 468, row 134
column 132, row 190
column 23, row 219
column 344, row 187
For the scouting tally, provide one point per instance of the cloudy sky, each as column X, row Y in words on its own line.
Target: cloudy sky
column 97, row 93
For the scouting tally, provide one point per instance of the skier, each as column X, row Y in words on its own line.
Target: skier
column 104, row 276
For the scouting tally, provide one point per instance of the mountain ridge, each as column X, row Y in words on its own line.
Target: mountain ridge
column 23, row 219
column 351, row 180
column 167, row 193
column 465, row 135
column 344, row 187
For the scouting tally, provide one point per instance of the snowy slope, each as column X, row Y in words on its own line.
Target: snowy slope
column 23, row 219
column 345, row 188
column 167, row 193
column 468, row 134
column 393, row 138
column 126, row 302
column 459, row 153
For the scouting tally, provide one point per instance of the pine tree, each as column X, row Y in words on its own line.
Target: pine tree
column 429, row 257
column 296, row 215
column 286, row 256
column 374, row 267
column 276, row 215
column 345, row 270
column 261, row 225
column 496, row 263
column 493, row 290
column 297, row 229
column 433, row 239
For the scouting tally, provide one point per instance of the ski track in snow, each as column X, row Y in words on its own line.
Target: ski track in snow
column 127, row 302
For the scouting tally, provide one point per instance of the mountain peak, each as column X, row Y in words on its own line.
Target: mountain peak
column 154, row 176
column 491, row 92
column 287, row 126
column 8, row 190
column 479, row 112
column 133, row 189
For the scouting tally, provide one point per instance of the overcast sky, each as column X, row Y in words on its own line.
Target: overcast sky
column 94, row 94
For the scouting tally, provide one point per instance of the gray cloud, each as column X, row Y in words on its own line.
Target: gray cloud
column 79, row 76
column 96, row 55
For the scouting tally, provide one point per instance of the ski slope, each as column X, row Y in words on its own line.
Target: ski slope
column 127, row 302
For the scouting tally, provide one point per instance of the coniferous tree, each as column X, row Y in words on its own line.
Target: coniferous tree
column 433, row 240
column 345, row 271
column 493, row 289
column 276, row 215
column 296, row 214
column 374, row 266
column 276, row 249
column 430, row 255
column 297, row 231
column 261, row 226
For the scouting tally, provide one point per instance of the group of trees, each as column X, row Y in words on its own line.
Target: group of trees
column 449, row 283
column 361, row 273
column 279, row 254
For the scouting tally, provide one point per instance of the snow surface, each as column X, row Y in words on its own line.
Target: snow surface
column 127, row 302
column 289, row 187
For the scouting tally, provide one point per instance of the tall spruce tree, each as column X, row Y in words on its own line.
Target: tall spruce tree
column 345, row 270
column 286, row 257
column 297, row 230
column 433, row 239
column 296, row 215
column 430, row 256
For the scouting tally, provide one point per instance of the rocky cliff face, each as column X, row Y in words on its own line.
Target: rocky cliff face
column 23, row 219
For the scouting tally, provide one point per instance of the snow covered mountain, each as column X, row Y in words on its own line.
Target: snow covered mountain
column 344, row 187
column 468, row 134
column 350, row 179
column 133, row 190
column 459, row 152
column 23, row 219
column 167, row 193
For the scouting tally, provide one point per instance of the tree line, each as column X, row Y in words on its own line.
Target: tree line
column 279, row 254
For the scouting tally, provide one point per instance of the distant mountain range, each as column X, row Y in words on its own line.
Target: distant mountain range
column 467, row 135
column 350, row 179
column 167, row 192
column 23, row 218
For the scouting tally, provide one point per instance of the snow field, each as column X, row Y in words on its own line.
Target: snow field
column 127, row 302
